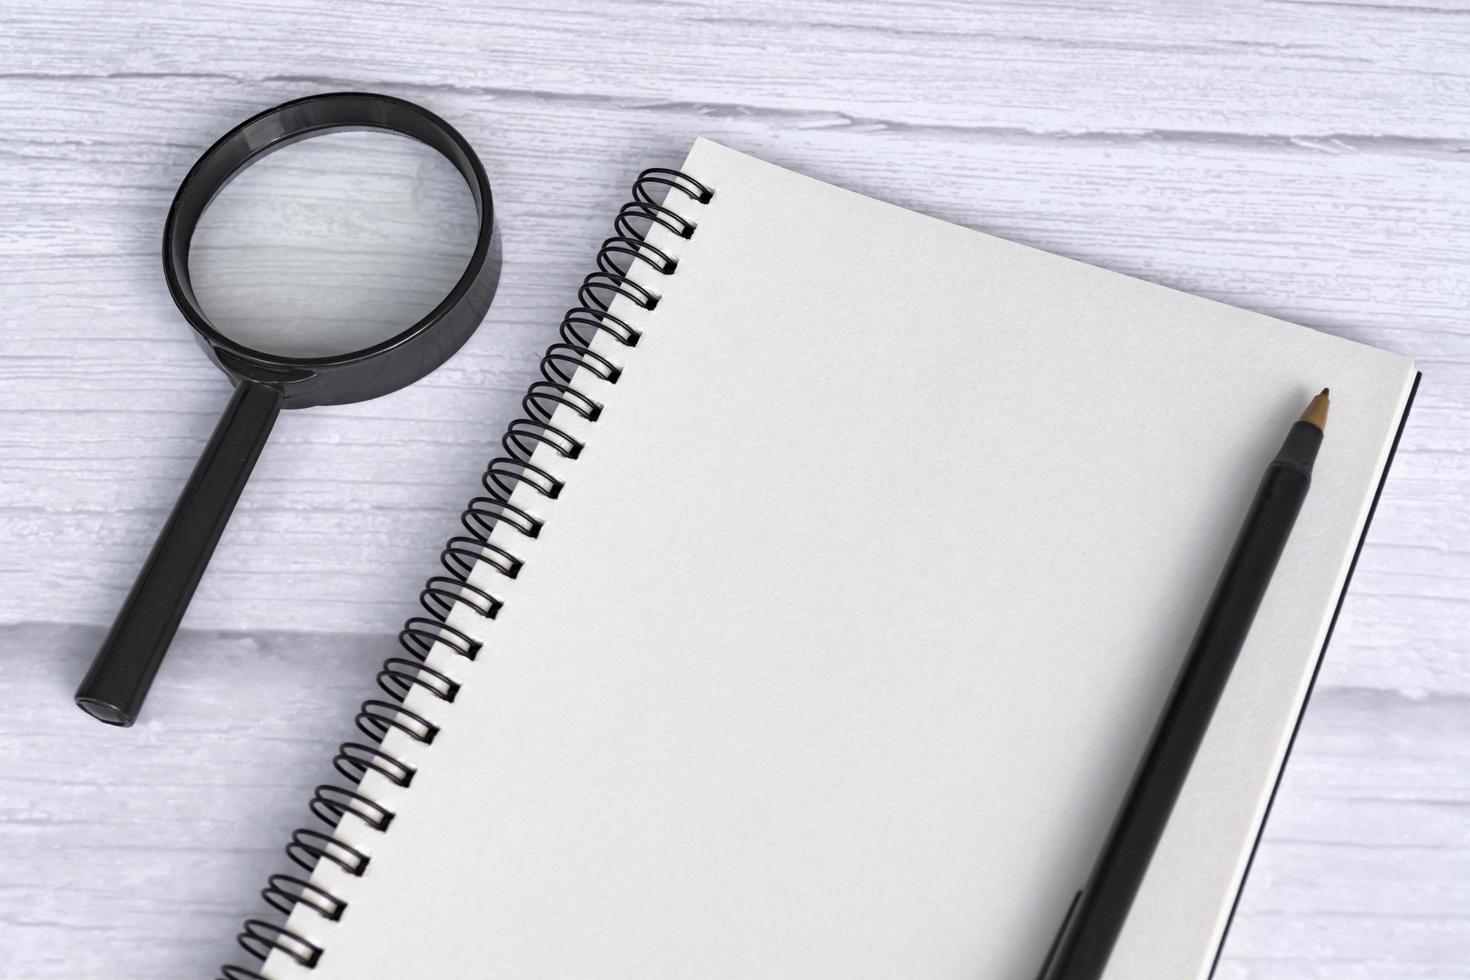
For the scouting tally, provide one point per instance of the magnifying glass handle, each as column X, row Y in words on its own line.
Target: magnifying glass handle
column 115, row 686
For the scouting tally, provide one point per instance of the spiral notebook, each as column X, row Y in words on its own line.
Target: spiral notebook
column 820, row 608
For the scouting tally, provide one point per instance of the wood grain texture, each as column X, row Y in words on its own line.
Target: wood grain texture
column 1304, row 158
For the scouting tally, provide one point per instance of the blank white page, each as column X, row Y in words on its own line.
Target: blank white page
column 841, row 643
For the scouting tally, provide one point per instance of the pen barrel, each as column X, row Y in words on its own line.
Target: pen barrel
column 1092, row 925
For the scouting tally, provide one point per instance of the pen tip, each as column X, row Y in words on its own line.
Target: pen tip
column 1326, row 392
column 1316, row 412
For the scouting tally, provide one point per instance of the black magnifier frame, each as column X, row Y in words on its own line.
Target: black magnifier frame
column 123, row 670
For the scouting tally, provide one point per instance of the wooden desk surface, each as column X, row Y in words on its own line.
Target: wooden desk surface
column 1305, row 158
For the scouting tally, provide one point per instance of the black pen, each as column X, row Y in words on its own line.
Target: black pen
column 1097, row 913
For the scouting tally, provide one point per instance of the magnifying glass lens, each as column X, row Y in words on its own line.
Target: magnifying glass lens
column 331, row 245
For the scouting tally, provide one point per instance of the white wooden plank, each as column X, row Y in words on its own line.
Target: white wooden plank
column 1361, row 72
column 136, row 854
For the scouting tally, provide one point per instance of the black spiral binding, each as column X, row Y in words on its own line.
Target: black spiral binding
column 441, row 594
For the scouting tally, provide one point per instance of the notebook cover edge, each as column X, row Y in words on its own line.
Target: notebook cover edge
column 1316, row 670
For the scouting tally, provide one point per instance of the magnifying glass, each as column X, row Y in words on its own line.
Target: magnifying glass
column 265, row 383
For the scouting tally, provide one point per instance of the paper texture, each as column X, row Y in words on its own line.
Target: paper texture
column 841, row 643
